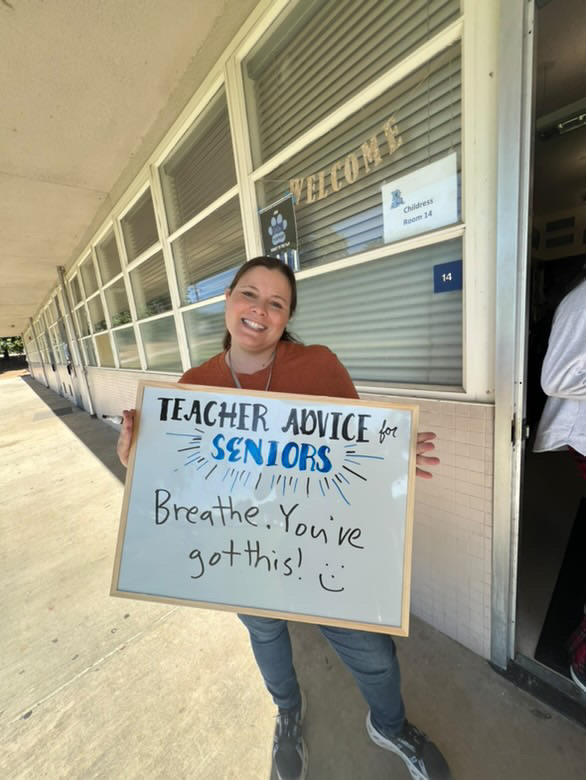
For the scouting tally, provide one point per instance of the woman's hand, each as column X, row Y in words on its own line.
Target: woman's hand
column 125, row 438
column 425, row 444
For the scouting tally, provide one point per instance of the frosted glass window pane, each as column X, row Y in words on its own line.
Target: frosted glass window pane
column 117, row 303
column 104, row 348
column 125, row 342
column 160, row 343
column 150, row 287
column 90, row 355
column 96, row 311
column 82, row 321
column 205, row 329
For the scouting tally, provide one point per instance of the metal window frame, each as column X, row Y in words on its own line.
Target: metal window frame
column 514, row 169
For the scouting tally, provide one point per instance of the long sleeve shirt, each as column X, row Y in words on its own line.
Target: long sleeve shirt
column 563, row 378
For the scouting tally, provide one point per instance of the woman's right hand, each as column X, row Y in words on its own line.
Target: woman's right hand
column 125, row 438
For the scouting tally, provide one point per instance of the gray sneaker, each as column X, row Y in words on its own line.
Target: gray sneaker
column 289, row 751
column 423, row 759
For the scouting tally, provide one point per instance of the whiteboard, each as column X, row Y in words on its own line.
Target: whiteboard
column 265, row 503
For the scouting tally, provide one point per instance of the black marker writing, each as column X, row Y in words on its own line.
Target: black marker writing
column 386, row 431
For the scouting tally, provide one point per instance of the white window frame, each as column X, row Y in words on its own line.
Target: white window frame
column 477, row 28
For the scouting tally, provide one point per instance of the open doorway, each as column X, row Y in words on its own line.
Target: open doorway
column 552, row 546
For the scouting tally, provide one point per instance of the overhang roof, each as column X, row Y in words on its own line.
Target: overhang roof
column 88, row 90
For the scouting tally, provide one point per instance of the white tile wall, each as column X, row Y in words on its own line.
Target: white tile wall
column 452, row 544
column 113, row 390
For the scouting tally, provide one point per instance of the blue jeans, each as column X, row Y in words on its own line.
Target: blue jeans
column 370, row 657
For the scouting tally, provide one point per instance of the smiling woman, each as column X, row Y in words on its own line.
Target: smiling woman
column 260, row 301
column 260, row 354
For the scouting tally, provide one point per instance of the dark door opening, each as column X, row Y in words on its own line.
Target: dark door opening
column 551, row 588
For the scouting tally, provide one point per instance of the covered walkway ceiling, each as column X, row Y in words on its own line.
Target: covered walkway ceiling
column 87, row 90
column 89, row 87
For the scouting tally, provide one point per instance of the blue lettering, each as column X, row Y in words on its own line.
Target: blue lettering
column 217, row 441
column 233, row 449
column 326, row 462
column 254, row 449
column 285, row 456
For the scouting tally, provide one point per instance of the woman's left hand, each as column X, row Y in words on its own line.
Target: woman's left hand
column 425, row 444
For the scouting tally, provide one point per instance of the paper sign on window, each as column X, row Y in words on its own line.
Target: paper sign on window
column 421, row 201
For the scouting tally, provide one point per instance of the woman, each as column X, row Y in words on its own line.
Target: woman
column 260, row 354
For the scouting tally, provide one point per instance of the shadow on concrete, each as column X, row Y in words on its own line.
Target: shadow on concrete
column 96, row 435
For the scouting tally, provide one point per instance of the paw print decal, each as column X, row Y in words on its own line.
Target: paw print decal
column 277, row 228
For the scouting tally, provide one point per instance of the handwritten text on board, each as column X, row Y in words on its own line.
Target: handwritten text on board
column 262, row 502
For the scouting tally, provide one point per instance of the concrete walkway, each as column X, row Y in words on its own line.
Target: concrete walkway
column 98, row 687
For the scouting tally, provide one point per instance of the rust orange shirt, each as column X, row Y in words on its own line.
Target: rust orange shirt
column 313, row 370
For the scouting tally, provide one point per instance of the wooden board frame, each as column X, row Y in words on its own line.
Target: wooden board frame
column 399, row 628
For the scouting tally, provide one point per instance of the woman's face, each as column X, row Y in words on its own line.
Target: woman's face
column 257, row 309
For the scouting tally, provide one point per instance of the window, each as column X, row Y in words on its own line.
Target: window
column 150, row 287
column 207, row 256
column 90, row 354
column 75, row 290
column 318, row 56
column 125, row 342
column 201, row 168
column 82, row 321
column 96, row 312
column 55, row 346
column 337, row 180
column 205, row 330
column 88, row 276
column 108, row 258
column 104, row 347
column 139, row 227
column 385, row 321
column 160, row 344
column 117, row 303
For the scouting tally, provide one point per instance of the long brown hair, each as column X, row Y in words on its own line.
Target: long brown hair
column 272, row 264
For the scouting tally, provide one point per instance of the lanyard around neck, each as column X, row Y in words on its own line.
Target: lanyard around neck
column 235, row 377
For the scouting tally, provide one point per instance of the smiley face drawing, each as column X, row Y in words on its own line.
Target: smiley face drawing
column 332, row 577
